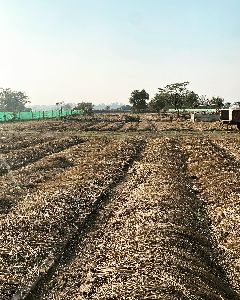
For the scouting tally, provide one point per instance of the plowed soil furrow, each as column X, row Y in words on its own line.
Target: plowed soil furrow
column 217, row 175
column 129, row 126
column 21, row 141
column 19, row 158
column 17, row 184
column 151, row 241
column 97, row 126
column 230, row 145
column 112, row 126
column 145, row 126
column 41, row 225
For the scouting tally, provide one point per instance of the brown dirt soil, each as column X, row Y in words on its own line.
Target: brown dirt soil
column 45, row 219
column 218, row 175
column 83, row 212
column 151, row 241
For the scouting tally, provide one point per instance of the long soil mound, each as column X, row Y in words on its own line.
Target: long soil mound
column 151, row 241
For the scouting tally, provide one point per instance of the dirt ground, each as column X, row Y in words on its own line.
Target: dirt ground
column 103, row 208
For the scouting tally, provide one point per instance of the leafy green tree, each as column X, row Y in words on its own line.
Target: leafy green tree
column 227, row 104
column 177, row 93
column 159, row 102
column 175, row 96
column 237, row 103
column 191, row 100
column 203, row 101
column 13, row 101
column 86, row 107
column 138, row 100
column 217, row 102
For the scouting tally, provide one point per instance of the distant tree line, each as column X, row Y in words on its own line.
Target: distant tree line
column 16, row 101
column 13, row 101
column 176, row 96
column 173, row 96
column 86, row 107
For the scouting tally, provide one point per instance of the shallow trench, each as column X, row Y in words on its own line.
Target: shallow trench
column 151, row 240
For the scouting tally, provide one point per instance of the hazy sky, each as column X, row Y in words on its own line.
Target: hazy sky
column 101, row 50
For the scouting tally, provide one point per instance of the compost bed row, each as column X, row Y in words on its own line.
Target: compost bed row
column 218, row 173
column 16, row 184
column 18, row 158
column 118, row 123
column 150, row 241
column 230, row 145
column 39, row 227
column 9, row 142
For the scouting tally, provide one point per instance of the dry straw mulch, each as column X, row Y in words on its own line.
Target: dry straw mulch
column 113, row 122
column 151, row 240
column 129, row 126
column 18, row 158
column 145, row 126
column 230, row 144
column 188, row 125
column 9, row 142
column 43, row 222
column 16, row 184
column 218, row 176
column 112, row 126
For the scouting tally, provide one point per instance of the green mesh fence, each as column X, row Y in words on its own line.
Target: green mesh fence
column 37, row 115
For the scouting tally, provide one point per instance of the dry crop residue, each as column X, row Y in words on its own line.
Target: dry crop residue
column 231, row 145
column 18, row 158
column 9, row 142
column 18, row 183
column 129, row 126
column 151, row 241
column 43, row 221
column 122, row 122
column 218, row 178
